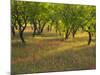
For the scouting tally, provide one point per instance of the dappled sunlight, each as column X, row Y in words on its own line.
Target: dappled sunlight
column 60, row 47
column 74, row 47
column 83, row 34
column 49, row 37
column 42, row 52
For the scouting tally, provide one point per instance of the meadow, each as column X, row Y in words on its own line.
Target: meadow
column 49, row 52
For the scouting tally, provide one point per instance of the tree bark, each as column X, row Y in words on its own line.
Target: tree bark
column 43, row 27
column 73, row 34
column 48, row 28
column 21, row 30
column 90, row 38
column 13, row 30
column 21, row 37
column 34, row 31
column 67, row 34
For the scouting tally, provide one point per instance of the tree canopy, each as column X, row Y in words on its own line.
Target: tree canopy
column 66, row 18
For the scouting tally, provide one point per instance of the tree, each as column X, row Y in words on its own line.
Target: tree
column 89, row 21
column 67, row 19
column 19, row 11
column 38, row 16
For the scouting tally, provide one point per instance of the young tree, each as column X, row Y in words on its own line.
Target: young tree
column 38, row 16
column 89, row 21
column 20, row 16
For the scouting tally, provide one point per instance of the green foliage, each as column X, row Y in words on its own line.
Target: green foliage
column 70, row 15
column 63, row 17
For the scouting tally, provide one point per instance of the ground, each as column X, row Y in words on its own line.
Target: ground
column 50, row 52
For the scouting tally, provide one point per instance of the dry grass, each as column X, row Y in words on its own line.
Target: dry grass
column 48, row 52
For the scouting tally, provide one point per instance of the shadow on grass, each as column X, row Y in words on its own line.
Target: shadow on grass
column 46, row 54
column 68, row 60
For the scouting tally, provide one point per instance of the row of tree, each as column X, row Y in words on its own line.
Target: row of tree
column 65, row 18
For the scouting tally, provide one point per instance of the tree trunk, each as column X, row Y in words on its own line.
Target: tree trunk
column 67, row 34
column 56, row 31
column 90, row 38
column 34, row 28
column 21, row 30
column 21, row 37
column 13, row 30
column 48, row 28
column 43, row 27
column 39, row 27
column 34, row 31
column 73, row 34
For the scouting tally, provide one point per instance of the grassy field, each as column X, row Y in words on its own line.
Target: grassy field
column 49, row 52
